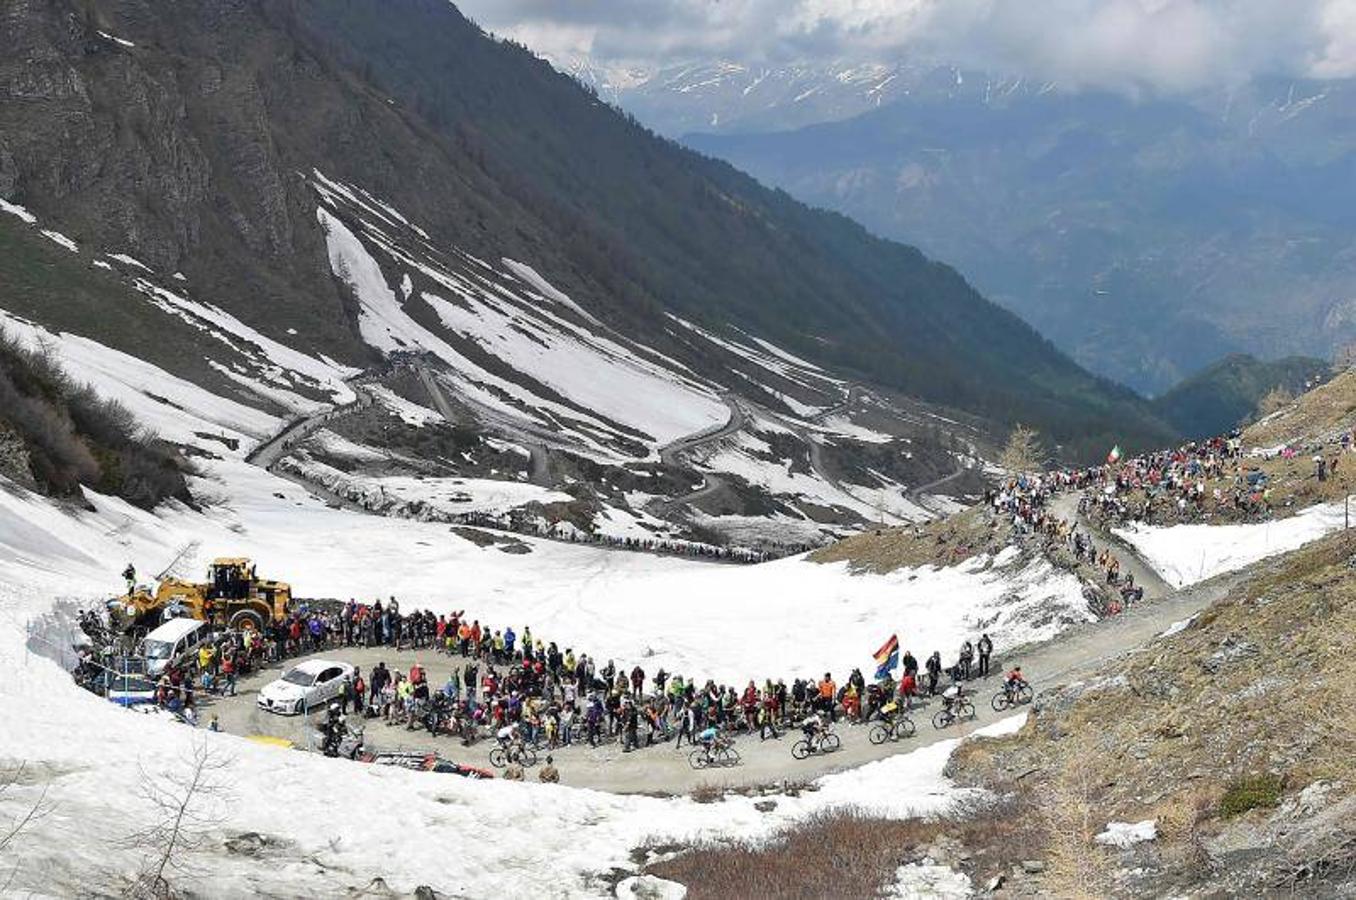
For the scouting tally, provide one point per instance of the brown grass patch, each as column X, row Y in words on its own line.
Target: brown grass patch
column 846, row 854
column 1316, row 414
column 945, row 542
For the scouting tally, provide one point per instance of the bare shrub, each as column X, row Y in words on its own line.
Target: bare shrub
column 188, row 804
column 845, row 853
column 74, row 437
column 11, row 831
column 1023, row 453
column 839, row 854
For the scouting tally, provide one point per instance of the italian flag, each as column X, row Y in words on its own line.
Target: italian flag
column 1115, row 454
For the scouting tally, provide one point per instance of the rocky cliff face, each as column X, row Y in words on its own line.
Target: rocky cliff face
column 163, row 148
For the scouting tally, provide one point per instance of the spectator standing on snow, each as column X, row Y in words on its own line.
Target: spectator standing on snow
column 934, row 672
column 985, row 649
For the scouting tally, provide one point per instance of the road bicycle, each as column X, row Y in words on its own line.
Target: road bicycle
column 819, row 742
column 1018, row 694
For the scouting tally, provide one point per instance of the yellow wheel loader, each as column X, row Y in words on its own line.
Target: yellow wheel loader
column 232, row 597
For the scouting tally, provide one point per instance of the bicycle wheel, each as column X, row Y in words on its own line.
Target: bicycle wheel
column 800, row 749
column 697, row 759
column 1024, row 694
column 904, row 728
column 728, row 756
column 940, row 719
column 498, row 758
column 879, row 734
column 528, row 757
column 830, row 743
column 1000, row 701
column 965, row 710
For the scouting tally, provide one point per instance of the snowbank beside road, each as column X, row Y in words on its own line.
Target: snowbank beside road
column 1186, row 554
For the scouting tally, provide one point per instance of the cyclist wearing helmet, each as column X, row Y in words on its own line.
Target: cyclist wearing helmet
column 707, row 740
column 951, row 696
column 508, row 735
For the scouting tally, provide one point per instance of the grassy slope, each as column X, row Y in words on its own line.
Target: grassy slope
column 1317, row 416
column 45, row 283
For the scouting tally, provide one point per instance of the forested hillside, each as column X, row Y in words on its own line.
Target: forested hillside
column 1225, row 394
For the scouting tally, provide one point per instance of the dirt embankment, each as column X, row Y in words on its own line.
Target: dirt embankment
column 1235, row 736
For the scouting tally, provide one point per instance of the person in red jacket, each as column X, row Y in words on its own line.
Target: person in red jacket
column 908, row 689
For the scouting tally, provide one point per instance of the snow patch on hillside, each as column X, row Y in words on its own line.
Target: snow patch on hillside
column 60, row 240
column 595, row 372
column 1187, row 554
column 280, row 369
column 15, row 209
column 544, row 288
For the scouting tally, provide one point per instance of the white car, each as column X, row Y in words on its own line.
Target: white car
column 306, row 686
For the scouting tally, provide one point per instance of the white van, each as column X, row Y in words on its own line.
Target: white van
column 172, row 642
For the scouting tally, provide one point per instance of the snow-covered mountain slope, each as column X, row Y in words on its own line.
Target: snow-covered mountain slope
column 727, row 96
column 546, row 386
column 523, row 360
column 563, row 370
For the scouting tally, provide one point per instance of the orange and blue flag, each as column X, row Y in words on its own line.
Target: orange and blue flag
column 887, row 657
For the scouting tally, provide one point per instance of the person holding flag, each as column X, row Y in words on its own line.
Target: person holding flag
column 887, row 658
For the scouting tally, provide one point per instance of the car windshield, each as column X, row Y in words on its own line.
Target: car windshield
column 297, row 676
column 158, row 649
column 131, row 684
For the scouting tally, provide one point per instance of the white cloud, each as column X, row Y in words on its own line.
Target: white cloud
column 1125, row 44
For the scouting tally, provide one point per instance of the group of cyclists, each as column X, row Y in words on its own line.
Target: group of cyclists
column 534, row 697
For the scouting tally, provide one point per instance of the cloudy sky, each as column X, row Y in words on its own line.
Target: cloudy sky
column 1133, row 44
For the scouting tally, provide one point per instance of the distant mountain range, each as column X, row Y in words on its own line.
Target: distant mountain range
column 724, row 97
column 1148, row 238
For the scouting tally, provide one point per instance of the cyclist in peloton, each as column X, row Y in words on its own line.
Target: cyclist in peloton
column 813, row 725
column 508, row 735
column 952, row 696
column 707, row 740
